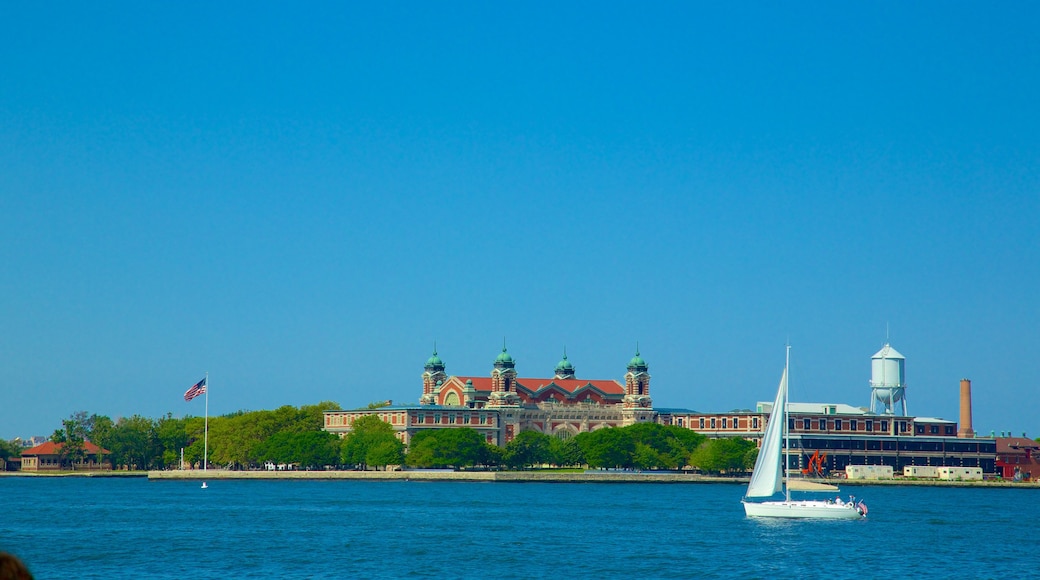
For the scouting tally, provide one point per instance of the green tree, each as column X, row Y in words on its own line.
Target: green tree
column 723, row 454
column 383, row 453
column 99, row 431
column 134, row 443
column 72, row 436
column 607, row 447
column 526, row 449
column 366, row 433
column 565, row 452
column 172, row 437
column 9, row 450
column 459, row 447
column 309, row 450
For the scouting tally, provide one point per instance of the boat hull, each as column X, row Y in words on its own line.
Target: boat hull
column 807, row 509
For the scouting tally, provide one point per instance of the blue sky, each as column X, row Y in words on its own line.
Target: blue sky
column 301, row 200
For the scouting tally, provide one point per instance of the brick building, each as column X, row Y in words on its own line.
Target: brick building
column 502, row 404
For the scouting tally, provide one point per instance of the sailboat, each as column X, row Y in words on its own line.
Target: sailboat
column 770, row 478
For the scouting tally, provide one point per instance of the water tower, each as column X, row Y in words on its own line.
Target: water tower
column 887, row 382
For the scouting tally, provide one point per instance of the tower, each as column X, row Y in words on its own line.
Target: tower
column 503, row 375
column 637, row 405
column 887, row 383
column 433, row 376
column 966, row 430
column 564, row 368
column 503, row 396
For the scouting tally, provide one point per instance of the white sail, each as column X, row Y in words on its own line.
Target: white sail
column 767, row 478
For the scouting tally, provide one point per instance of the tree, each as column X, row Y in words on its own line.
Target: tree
column 383, row 453
column 72, row 436
column 526, row 449
column 607, row 447
column 459, row 447
column 724, row 454
column 565, row 452
column 172, row 437
column 134, row 443
column 9, row 450
column 366, row 433
column 99, row 431
column 310, row 450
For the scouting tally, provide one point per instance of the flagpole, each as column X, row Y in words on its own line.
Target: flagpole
column 205, row 444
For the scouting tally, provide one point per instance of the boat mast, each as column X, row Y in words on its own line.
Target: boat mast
column 787, row 432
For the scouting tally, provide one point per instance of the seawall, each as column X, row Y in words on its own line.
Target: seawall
column 543, row 477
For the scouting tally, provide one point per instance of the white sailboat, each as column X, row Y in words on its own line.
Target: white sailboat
column 769, row 477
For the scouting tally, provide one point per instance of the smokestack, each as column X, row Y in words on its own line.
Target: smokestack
column 965, row 431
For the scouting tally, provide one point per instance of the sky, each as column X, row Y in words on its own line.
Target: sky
column 302, row 201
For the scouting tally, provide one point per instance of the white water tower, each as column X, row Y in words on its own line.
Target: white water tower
column 887, row 382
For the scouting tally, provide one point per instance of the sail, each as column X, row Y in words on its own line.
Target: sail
column 767, row 478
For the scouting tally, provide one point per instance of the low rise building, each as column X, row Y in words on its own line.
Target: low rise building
column 47, row 457
column 828, row 437
column 1018, row 458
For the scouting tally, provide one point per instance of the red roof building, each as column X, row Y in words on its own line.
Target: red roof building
column 503, row 404
column 1018, row 458
column 47, row 457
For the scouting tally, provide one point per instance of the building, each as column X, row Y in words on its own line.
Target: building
column 1018, row 458
column 47, row 457
column 503, row 404
column 828, row 436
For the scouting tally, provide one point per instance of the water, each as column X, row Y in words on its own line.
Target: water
column 133, row 528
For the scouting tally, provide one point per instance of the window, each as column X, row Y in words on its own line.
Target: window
column 949, row 429
column 806, row 424
column 702, row 423
column 451, row 418
column 680, row 422
column 902, row 426
column 713, row 422
column 436, row 418
column 870, row 424
column 754, row 422
column 724, row 421
column 884, row 426
column 823, row 424
column 837, row 424
column 934, row 430
column 853, row 424
column 483, row 419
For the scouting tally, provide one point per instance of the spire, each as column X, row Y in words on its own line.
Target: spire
column 564, row 368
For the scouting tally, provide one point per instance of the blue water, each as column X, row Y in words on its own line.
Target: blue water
column 133, row 528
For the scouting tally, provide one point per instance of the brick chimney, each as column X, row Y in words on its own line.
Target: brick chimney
column 966, row 430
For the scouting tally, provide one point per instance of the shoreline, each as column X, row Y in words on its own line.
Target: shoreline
column 497, row 476
column 540, row 477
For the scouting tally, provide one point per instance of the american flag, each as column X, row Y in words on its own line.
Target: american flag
column 862, row 508
column 195, row 390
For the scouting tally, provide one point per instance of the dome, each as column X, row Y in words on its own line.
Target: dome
column 637, row 361
column 504, row 357
column 434, row 360
column 564, row 365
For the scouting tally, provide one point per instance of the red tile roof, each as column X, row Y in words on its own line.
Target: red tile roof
column 573, row 385
column 52, row 448
column 534, row 385
column 1016, row 445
